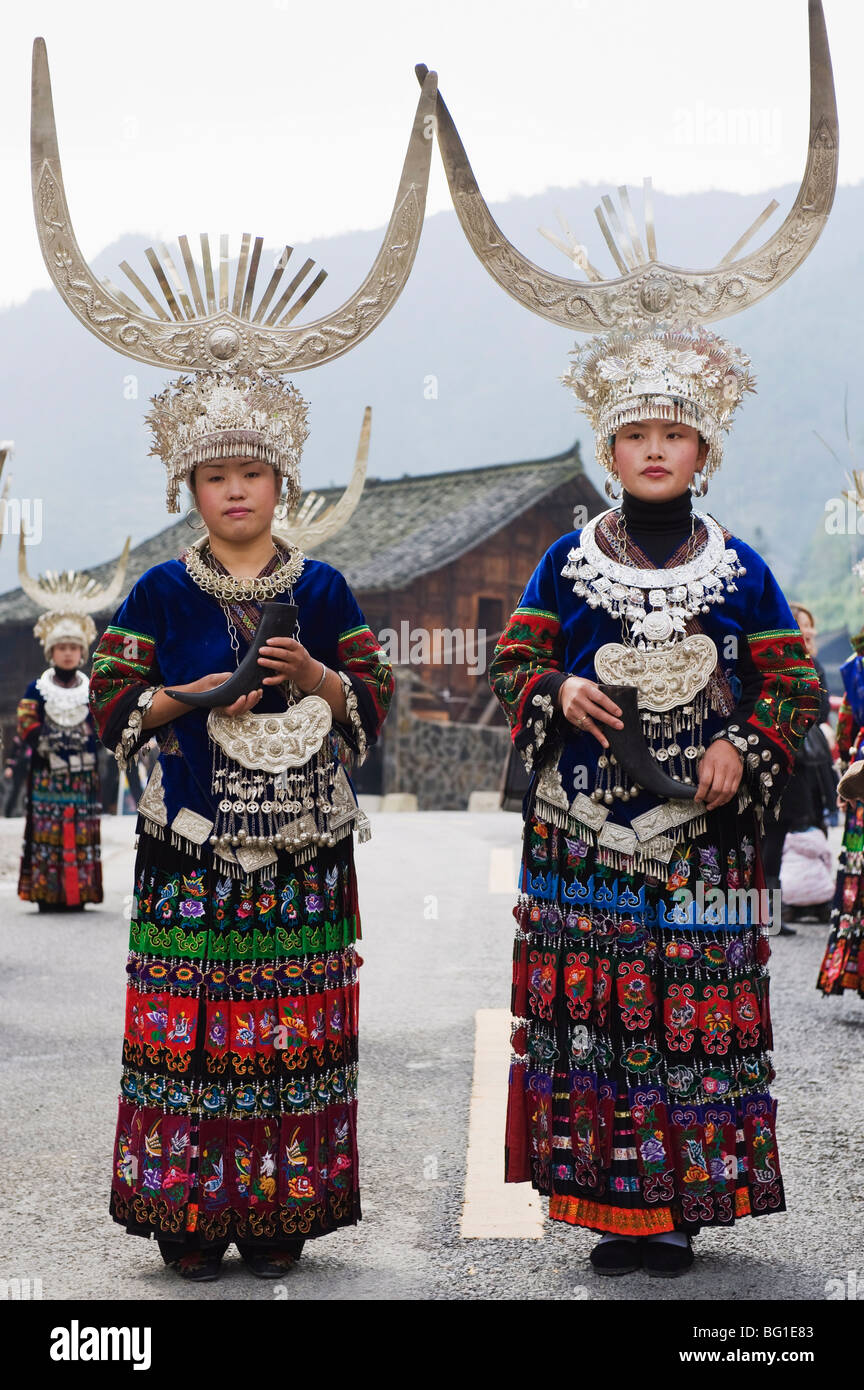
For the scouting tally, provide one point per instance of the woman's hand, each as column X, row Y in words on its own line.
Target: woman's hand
column 289, row 660
column 243, row 705
column 585, row 706
column 163, row 709
column 720, row 771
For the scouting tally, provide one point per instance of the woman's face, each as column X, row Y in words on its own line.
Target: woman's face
column 656, row 459
column 236, row 497
column 67, row 655
column 808, row 632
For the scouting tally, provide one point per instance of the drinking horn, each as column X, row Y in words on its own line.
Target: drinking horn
column 277, row 620
column 630, row 749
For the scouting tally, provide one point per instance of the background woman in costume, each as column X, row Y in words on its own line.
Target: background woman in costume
column 60, row 866
column 639, row 1093
column 237, row 1117
column 796, row 854
column 842, row 966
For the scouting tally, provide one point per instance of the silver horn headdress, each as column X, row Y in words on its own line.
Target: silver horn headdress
column 68, row 600
column 652, row 356
column 649, row 291
column 203, row 336
column 236, row 341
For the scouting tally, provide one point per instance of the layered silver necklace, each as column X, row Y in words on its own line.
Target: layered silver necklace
column 654, row 605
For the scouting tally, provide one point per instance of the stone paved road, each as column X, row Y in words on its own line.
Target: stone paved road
column 423, row 979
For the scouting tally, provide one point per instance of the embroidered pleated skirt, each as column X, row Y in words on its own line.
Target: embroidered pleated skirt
column 237, row 1116
column 60, row 856
column 638, row 1096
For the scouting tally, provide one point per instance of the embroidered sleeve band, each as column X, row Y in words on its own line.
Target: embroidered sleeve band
column 370, row 674
column 785, row 706
column 28, row 718
column 788, row 702
column 525, row 674
column 125, row 677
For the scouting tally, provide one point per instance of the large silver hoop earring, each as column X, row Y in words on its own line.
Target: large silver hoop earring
column 194, row 526
column 699, row 489
column 609, row 489
column 280, row 511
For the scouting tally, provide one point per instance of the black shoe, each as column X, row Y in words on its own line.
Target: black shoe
column 786, row 931
column 273, row 1262
column 198, row 1266
column 617, row 1256
column 666, row 1261
column 816, row 912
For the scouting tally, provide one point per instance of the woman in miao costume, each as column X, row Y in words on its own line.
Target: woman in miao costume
column 237, row 1118
column 60, row 855
column 639, row 1097
column 842, row 965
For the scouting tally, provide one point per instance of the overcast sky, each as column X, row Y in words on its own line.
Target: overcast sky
column 290, row 119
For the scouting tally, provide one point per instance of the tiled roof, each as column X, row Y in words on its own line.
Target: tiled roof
column 403, row 527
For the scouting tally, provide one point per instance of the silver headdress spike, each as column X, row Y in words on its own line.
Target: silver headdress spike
column 855, row 477
column 652, row 292
column 67, row 601
column 223, row 334
column 308, row 526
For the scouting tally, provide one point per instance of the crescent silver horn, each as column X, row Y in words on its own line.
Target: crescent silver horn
column 308, row 526
column 71, row 591
column 225, row 332
column 651, row 291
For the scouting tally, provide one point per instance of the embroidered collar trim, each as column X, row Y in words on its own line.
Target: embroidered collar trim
column 66, row 705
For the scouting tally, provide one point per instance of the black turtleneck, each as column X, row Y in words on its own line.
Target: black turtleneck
column 658, row 528
column 63, row 677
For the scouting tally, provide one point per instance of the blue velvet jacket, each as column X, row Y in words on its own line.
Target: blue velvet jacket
column 170, row 632
column 764, row 688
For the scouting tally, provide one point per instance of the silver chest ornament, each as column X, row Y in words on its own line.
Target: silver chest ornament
column 654, row 605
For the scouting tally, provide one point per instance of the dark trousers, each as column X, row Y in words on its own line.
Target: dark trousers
column 772, row 851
